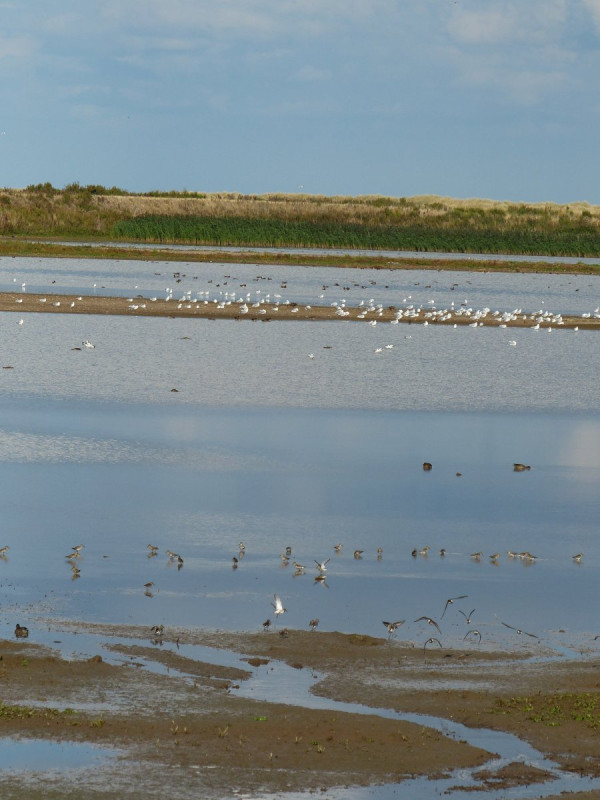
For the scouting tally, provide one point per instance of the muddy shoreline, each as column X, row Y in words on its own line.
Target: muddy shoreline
column 187, row 716
column 26, row 302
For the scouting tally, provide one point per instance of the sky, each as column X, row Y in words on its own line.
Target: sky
column 494, row 99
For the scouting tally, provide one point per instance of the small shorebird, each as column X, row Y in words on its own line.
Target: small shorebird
column 149, row 585
column 393, row 626
column 431, row 640
column 151, row 547
column 322, row 565
column 473, row 632
column 3, row 550
column 467, row 616
column 519, row 631
column 427, row 466
column 266, row 624
column 494, row 558
column 451, row 600
column 88, row 345
column 476, row 556
column 521, row 467
column 158, row 630
column 442, row 552
column 278, row 606
column 288, row 551
column 300, row 568
column 358, row 554
column 424, row 550
column 234, row 563
column 241, row 547
column 578, row 557
column 21, row 632
column 338, row 547
column 313, row 623
column 429, row 622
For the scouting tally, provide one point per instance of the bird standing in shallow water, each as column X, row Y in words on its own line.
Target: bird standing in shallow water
column 21, row 632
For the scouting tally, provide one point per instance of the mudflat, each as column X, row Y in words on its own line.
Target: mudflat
column 183, row 729
column 25, row 302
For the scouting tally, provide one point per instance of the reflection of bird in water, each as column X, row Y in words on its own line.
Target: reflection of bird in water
column 429, row 622
column 431, row 640
column 393, row 626
column 467, row 616
column 473, row 632
column 519, row 630
column 450, row 600
column 322, row 579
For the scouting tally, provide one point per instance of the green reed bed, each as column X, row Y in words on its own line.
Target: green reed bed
column 429, row 234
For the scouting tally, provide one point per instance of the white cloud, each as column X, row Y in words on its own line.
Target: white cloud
column 18, row 47
column 242, row 17
column 593, row 6
column 312, row 74
column 534, row 21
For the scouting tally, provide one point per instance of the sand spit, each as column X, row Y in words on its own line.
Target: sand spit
column 25, row 302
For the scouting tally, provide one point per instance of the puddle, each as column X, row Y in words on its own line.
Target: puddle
column 21, row 754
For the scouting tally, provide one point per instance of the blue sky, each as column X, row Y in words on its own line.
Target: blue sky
column 462, row 98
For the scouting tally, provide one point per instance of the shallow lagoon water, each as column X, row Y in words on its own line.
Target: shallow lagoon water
column 214, row 281
column 263, row 445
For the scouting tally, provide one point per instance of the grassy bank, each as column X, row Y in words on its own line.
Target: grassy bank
column 32, row 248
column 426, row 224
